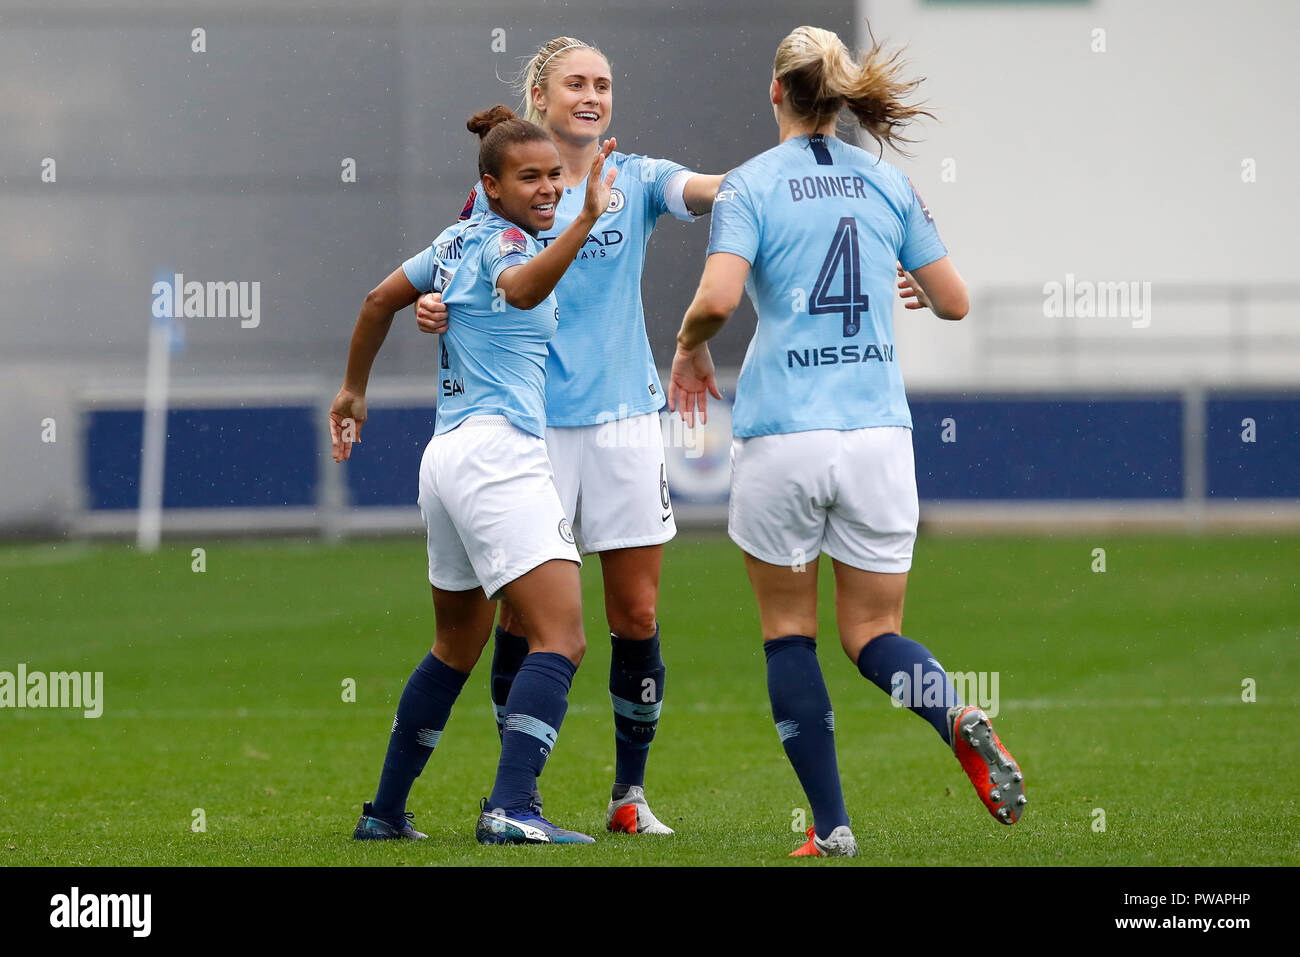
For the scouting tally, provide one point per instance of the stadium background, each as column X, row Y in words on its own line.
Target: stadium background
column 1164, row 159
column 1059, row 153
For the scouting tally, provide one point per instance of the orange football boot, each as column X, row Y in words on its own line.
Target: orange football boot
column 987, row 763
column 839, row 843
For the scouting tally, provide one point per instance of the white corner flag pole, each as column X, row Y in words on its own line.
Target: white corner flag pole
column 154, row 447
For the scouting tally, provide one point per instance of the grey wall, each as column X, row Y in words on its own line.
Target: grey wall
column 1114, row 163
column 225, row 165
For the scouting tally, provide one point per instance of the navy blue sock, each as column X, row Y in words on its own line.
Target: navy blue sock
column 636, row 688
column 507, row 655
column 906, row 671
column 421, row 715
column 535, row 710
column 806, row 724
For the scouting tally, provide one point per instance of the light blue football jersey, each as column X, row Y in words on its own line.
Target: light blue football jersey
column 824, row 225
column 430, row 270
column 493, row 356
column 600, row 366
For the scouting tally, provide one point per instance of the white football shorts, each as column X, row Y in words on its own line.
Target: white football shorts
column 613, row 482
column 850, row 494
column 489, row 503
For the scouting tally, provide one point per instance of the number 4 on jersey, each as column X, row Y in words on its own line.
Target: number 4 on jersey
column 842, row 258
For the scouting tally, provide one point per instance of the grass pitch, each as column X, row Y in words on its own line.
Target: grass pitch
column 1121, row 694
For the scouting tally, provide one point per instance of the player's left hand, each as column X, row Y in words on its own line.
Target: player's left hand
column 347, row 415
column 692, row 381
column 908, row 289
column 599, row 189
column 431, row 314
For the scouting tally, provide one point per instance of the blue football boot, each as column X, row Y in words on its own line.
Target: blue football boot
column 371, row 828
column 522, row 827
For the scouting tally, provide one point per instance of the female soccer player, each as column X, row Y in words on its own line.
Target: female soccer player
column 495, row 523
column 822, row 457
column 600, row 371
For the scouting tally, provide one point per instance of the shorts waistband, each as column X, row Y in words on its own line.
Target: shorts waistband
column 487, row 422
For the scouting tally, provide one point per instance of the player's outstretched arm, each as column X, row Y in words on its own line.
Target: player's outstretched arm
column 717, row 297
column 935, row 286
column 348, row 410
column 700, row 191
column 527, row 285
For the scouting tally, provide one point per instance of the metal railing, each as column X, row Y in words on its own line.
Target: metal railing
column 1225, row 334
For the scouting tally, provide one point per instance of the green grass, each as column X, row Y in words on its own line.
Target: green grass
column 1120, row 691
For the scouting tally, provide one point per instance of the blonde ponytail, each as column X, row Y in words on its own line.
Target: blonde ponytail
column 820, row 78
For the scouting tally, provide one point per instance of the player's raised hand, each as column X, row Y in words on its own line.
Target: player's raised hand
column 909, row 289
column 598, row 188
column 431, row 314
column 347, row 415
column 692, row 382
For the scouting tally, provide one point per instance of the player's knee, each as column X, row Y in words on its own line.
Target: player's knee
column 459, row 655
column 570, row 643
column 510, row 619
column 560, row 632
column 577, row 648
column 633, row 621
column 854, row 639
